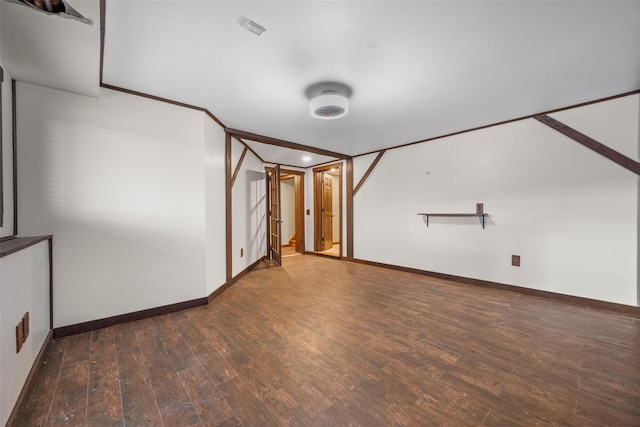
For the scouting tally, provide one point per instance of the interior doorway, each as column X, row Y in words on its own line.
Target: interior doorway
column 290, row 223
column 275, row 223
column 327, row 199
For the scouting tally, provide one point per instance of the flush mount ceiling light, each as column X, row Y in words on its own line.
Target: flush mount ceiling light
column 329, row 105
column 328, row 100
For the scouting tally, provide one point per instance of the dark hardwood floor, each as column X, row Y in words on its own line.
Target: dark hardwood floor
column 322, row 342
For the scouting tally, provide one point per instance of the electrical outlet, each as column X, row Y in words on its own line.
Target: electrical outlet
column 515, row 260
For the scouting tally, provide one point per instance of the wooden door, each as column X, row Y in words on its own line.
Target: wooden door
column 275, row 223
column 327, row 212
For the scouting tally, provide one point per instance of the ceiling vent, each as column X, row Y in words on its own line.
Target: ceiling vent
column 328, row 100
column 252, row 27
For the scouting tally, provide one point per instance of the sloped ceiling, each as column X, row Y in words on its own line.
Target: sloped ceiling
column 417, row 69
column 50, row 50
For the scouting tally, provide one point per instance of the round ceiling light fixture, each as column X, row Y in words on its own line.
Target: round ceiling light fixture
column 328, row 100
column 329, row 105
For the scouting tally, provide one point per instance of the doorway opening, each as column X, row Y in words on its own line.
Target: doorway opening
column 286, row 228
column 327, row 208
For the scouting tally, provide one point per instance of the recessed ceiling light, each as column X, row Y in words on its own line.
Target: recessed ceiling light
column 306, row 158
column 252, row 27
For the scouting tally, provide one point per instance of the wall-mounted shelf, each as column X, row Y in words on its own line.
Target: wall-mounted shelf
column 481, row 216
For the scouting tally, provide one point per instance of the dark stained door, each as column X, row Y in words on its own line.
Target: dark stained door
column 327, row 212
column 275, row 223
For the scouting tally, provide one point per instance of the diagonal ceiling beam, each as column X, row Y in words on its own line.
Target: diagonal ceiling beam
column 368, row 172
column 281, row 143
column 251, row 149
column 239, row 165
column 590, row 143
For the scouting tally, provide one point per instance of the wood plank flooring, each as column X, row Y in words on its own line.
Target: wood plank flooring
column 322, row 342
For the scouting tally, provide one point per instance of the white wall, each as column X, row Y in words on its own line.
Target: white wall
column 215, row 200
column 7, row 157
column 120, row 182
column 287, row 208
column 248, row 205
column 24, row 276
column 571, row 214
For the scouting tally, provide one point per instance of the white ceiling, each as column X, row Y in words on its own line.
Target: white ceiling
column 287, row 156
column 50, row 50
column 417, row 69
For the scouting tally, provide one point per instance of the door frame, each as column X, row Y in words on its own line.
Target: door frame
column 317, row 205
column 274, row 219
column 298, row 177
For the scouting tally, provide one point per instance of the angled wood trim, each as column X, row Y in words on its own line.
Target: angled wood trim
column 504, row 122
column 286, row 144
column 368, row 172
column 590, row 143
column 160, row 99
column 350, row 193
column 569, row 299
column 239, row 165
column 229, row 231
column 251, row 149
column 212, row 117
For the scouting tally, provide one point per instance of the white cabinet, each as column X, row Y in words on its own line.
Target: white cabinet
column 24, row 288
